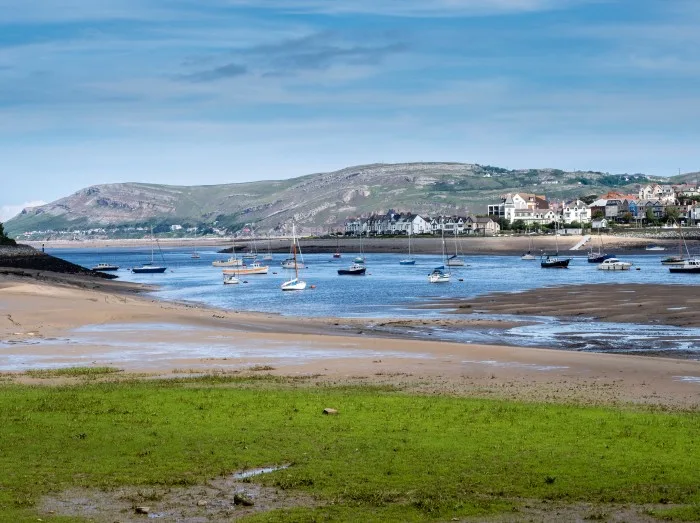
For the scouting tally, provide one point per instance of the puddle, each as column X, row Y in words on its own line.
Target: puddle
column 514, row 364
column 687, row 379
column 676, row 308
column 257, row 472
column 136, row 327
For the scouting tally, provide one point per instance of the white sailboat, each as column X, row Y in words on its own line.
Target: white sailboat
column 268, row 256
column 361, row 257
column 439, row 274
column 233, row 261
column 528, row 256
column 294, row 284
column 455, row 260
column 410, row 260
column 195, row 255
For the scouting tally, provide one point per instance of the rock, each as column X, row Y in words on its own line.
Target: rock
column 239, row 498
column 330, row 412
column 142, row 510
column 202, row 503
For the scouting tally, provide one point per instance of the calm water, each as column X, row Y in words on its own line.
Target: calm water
column 388, row 289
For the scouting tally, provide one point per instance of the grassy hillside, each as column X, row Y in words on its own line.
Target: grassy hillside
column 316, row 202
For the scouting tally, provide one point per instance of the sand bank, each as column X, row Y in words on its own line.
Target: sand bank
column 45, row 324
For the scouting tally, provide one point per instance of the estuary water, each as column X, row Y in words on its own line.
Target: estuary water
column 390, row 290
column 387, row 290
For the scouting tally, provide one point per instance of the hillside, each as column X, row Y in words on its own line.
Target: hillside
column 316, row 202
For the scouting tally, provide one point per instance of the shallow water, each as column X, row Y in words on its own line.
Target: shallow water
column 388, row 289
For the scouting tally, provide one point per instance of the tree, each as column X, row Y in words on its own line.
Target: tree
column 503, row 224
column 4, row 239
column 626, row 217
column 518, row 225
column 672, row 213
column 598, row 215
column 649, row 216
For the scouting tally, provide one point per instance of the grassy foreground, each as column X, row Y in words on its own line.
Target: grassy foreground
column 388, row 455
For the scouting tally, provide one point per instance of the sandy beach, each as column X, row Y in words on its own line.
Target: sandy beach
column 79, row 321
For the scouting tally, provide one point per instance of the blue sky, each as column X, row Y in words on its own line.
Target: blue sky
column 214, row 91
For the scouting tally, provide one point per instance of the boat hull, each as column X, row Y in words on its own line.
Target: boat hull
column 230, row 279
column 352, row 272
column 148, row 270
column 455, row 262
column 673, row 261
column 407, row 262
column 615, row 267
column 684, row 270
column 248, row 270
column 293, row 285
column 555, row 264
column 527, row 257
column 105, row 268
column 599, row 258
column 228, row 263
column 290, row 265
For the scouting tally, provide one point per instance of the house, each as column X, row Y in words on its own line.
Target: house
column 575, row 211
column 656, row 208
column 512, row 204
column 600, row 224
column 484, row 226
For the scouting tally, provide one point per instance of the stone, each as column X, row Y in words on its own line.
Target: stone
column 239, row 498
column 202, row 503
column 330, row 412
column 142, row 510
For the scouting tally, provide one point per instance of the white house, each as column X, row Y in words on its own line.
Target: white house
column 576, row 211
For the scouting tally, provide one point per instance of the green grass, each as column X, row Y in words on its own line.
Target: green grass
column 73, row 372
column 387, row 456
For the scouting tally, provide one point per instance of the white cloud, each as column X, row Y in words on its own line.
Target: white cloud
column 10, row 211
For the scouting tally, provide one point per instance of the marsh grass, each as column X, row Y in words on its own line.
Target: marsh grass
column 73, row 372
column 386, row 456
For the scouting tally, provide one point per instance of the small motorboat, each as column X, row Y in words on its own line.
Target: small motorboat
column 231, row 262
column 253, row 268
column 105, row 267
column 691, row 266
column 356, row 269
column 673, row 260
column 613, row 264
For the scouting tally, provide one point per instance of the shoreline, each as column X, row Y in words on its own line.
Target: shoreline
column 498, row 245
column 48, row 324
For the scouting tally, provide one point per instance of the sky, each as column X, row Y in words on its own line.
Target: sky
column 191, row 92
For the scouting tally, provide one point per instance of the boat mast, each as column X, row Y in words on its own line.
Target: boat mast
column 294, row 253
column 153, row 239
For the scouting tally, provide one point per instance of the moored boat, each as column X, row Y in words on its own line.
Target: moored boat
column 295, row 284
column 253, row 268
column 231, row 262
column 149, row 267
column 105, row 267
column 355, row 269
column 613, row 264
column 231, row 279
column 438, row 275
column 690, row 266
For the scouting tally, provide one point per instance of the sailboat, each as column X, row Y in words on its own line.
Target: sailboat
column 195, row 255
column 253, row 252
column 600, row 256
column 293, row 262
column 268, row 256
column 554, row 262
column 439, row 275
column 295, row 284
column 336, row 254
column 233, row 261
column 361, row 257
column 676, row 260
column 410, row 260
column 149, row 268
column 528, row 255
column 690, row 265
column 455, row 260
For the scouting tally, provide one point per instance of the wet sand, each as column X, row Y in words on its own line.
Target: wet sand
column 48, row 324
column 622, row 303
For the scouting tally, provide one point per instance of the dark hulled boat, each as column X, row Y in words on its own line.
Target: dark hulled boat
column 355, row 269
column 554, row 262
